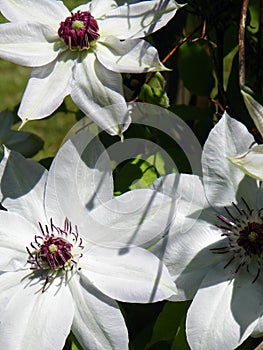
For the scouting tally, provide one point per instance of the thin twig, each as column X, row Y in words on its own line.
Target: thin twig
column 166, row 58
column 217, row 60
column 242, row 29
column 172, row 52
column 259, row 347
column 218, row 104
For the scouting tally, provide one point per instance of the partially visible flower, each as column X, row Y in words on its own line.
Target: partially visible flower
column 25, row 143
column 214, row 250
column 81, row 53
column 251, row 161
column 67, row 250
column 254, row 108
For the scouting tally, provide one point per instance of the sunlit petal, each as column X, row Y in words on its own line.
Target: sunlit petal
column 46, row 89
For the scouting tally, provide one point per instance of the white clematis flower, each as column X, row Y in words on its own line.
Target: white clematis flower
column 251, row 162
column 62, row 265
column 81, row 53
column 214, row 250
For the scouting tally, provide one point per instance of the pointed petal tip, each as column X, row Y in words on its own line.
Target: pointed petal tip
column 23, row 123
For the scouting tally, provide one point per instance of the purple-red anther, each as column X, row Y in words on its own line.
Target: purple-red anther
column 58, row 256
column 79, row 30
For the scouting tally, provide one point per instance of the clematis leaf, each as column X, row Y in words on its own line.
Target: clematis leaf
column 25, row 143
column 191, row 56
column 142, row 171
column 168, row 323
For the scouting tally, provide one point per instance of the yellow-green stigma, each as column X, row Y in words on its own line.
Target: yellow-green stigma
column 53, row 248
column 253, row 236
column 79, row 30
column 77, row 25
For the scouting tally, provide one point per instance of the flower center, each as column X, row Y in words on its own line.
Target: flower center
column 245, row 238
column 79, row 30
column 55, row 252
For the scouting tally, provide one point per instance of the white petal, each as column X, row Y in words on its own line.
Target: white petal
column 162, row 119
column 128, row 56
column 137, row 217
column 226, row 320
column 187, row 254
column 127, row 273
column 98, row 322
column 16, row 234
column 139, row 19
column 32, row 319
column 46, row 88
column 251, row 162
column 28, row 44
column 187, row 190
column 22, row 186
column 45, row 11
column 79, row 179
column 255, row 110
column 258, row 330
column 223, row 181
column 98, row 92
column 97, row 8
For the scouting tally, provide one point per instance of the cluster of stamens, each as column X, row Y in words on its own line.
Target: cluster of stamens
column 245, row 238
column 79, row 30
column 56, row 250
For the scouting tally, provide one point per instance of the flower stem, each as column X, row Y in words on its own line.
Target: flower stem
column 242, row 28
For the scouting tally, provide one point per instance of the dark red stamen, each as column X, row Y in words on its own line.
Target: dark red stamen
column 79, row 30
column 55, row 252
column 245, row 237
column 58, row 249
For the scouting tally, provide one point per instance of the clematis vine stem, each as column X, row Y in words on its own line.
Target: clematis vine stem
column 181, row 42
column 260, row 42
column 169, row 55
column 241, row 39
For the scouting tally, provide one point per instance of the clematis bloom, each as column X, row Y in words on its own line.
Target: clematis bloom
column 214, row 250
column 81, row 53
column 62, row 266
column 251, row 161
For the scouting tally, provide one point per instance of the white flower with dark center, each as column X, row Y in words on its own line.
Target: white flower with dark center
column 68, row 249
column 81, row 53
column 214, row 250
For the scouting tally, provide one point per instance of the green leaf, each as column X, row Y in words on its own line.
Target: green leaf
column 25, row 143
column 169, row 322
column 254, row 10
column 74, row 343
column 141, row 172
column 195, row 68
column 180, row 342
column 201, row 120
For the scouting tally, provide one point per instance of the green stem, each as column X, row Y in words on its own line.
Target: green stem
column 242, row 29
